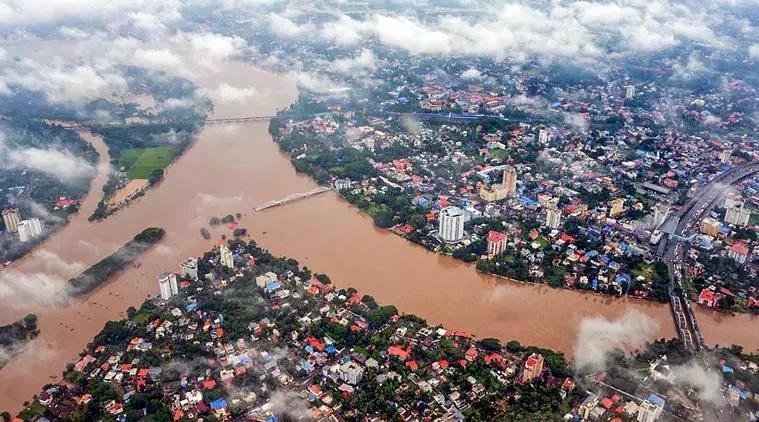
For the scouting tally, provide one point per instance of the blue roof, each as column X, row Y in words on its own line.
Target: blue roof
column 331, row 348
column 727, row 369
column 219, row 404
column 653, row 398
column 527, row 201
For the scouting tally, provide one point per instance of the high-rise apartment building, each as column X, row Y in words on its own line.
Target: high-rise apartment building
column 496, row 243
column 451, row 224
column 553, row 218
column 11, row 218
column 167, row 283
column 29, row 229
column 510, row 180
column 227, row 259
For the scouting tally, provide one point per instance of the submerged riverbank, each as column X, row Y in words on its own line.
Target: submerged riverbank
column 235, row 168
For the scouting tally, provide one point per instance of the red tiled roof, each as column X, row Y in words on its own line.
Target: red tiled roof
column 398, row 351
column 496, row 237
column 707, row 295
column 740, row 248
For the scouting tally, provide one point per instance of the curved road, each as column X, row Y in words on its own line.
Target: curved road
column 678, row 227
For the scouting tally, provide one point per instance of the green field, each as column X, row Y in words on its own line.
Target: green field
column 141, row 162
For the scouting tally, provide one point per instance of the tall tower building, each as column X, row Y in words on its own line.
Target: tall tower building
column 725, row 155
column 496, row 243
column 629, row 91
column 543, row 136
column 553, row 218
column 11, row 218
column 737, row 215
column 29, row 229
column 227, row 259
column 167, row 283
column 451, row 224
column 533, row 367
column 510, row 180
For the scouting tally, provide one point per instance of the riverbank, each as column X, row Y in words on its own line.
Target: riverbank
column 235, row 168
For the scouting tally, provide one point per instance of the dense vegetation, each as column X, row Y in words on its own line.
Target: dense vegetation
column 125, row 255
column 13, row 336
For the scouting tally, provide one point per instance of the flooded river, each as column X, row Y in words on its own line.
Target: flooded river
column 234, row 168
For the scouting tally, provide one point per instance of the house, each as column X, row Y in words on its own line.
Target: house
column 708, row 298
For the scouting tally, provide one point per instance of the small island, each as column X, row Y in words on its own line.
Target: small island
column 13, row 337
column 125, row 255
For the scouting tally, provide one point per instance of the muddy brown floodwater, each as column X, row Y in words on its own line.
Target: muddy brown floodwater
column 234, row 168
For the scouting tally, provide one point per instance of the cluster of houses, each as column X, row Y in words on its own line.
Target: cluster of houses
column 430, row 369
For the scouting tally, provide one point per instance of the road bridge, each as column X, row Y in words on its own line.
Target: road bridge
column 292, row 198
column 219, row 121
column 679, row 229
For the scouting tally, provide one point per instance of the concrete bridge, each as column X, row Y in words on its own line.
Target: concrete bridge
column 220, row 121
column 292, row 198
column 679, row 229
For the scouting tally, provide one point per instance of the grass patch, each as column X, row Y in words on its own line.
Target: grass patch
column 644, row 270
column 33, row 411
column 141, row 162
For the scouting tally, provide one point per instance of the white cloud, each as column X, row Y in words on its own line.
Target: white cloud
column 62, row 83
column 345, row 31
column 73, row 33
column 216, row 46
column 364, row 61
column 597, row 337
column 318, row 83
column 60, row 164
column 708, row 384
column 471, row 74
column 157, row 59
column 228, row 93
column 28, row 12
column 753, row 51
column 285, row 27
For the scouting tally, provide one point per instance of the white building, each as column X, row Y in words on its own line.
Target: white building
column 543, row 136
column 451, row 224
column 351, row 372
column 11, row 218
column 29, row 229
column 189, row 268
column 725, row 155
column 264, row 279
column 553, row 218
column 167, row 283
column 227, row 259
column 629, row 91
column 648, row 412
column 342, row 184
column 737, row 215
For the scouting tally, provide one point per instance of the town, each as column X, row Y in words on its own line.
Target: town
column 574, row 189
column 240, row 334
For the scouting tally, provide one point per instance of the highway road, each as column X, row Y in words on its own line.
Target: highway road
column 674, row 247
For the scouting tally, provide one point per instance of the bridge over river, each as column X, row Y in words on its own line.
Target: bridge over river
column 678, row 228
column 292, row 198
column 221, row 121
